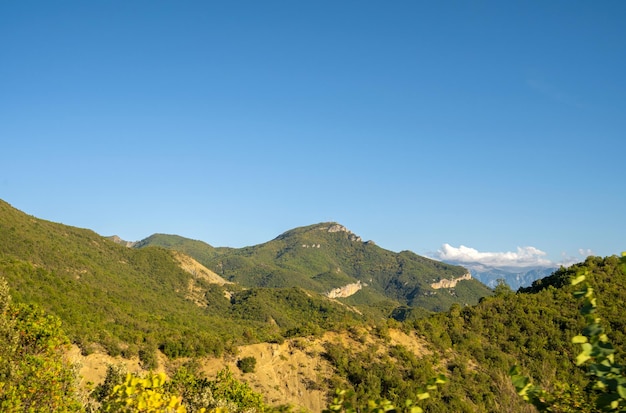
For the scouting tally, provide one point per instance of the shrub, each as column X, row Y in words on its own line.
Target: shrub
column 247, row 364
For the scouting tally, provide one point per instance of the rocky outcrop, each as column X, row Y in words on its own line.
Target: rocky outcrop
column 198, row 270
column 340, row 228
column 120, row 241
column 311, row 246
column 346, row 290
column 195, row 291
column 450, row 283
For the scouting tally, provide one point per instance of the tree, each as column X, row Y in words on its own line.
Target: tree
column 607, row 384
column 247, row 364
column 35, row 374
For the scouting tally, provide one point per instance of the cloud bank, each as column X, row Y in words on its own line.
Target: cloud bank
column 523, row 257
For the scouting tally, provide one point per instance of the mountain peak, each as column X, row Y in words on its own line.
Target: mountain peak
column 116, row 239
column 329, row 227
column 334, row 227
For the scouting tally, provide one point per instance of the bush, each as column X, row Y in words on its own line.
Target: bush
column 35, row 374
column 247, row 364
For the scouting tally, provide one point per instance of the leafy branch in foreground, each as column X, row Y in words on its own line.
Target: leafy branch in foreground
column 341, row 403
column 608, row 378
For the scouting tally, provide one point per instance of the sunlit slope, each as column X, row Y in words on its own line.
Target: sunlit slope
column 128, row 299
column 328, row 256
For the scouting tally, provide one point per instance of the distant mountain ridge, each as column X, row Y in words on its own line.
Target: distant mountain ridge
column 139, row 301
column 514, row 277
column 136, row 297
column 326, row 257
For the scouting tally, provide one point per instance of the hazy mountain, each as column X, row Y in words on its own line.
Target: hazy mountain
column 514, row 277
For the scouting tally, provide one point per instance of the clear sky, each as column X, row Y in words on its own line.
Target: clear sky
column 443, row 127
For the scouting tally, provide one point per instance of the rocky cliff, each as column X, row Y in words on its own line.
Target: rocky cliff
column 346, row 290
column 450, row 283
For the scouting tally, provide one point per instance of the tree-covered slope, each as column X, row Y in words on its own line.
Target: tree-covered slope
column 327, row 256
column 475, row 346
column 132, row 300
column 199, row 250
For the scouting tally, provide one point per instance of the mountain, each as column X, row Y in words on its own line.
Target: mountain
column 135, row 300
column 146, row 297
column 475, row 346
column 200, row 250
column 329, row 259
column 514, row 277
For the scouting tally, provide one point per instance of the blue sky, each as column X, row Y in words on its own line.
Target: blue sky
column 427, row 126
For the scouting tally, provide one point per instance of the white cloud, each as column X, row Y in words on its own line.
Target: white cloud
column 523, row 257
column 567, row 259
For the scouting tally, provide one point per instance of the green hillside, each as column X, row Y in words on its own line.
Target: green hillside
column 133, row 301
column 199, row 250
column 326, row 256
column 475, row 347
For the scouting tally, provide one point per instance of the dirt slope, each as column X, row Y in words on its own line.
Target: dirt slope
column 293, row 372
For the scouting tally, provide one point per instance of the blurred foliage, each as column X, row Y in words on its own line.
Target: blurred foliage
column 35, row 374
column 607, row 378
column 186, row 391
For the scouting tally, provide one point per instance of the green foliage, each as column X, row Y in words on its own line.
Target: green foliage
column 148, row 358
column 342, row 402
column 235, row 395
column 115, row 375
column 247, row 364
column 607, row 384
column 34, row 372
column 476, row 345
column 292, row 311
column 563, row 398
column 199, row 250
column 142, row 394
column 184, row 392
column 371, row 374
column 104, row 293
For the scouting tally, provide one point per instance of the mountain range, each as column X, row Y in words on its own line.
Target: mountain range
column 328, row 257
column 358, row 316
column 514, row 277
column 143, row 295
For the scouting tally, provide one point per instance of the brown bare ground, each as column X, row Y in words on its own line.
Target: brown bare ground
column 293, row 372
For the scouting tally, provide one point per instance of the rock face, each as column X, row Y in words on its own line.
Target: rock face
column 198, row 270
column 120, row 241
column 341, row 228
column 450, row 283
column 345, row 291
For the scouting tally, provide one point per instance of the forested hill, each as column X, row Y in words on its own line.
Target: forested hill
column 476, row 346
column 135, row 301
column 327, row 256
